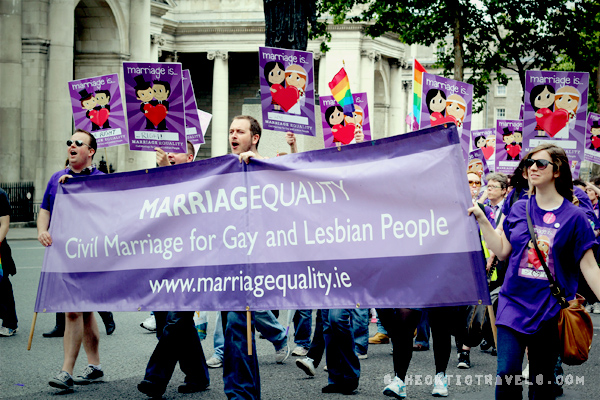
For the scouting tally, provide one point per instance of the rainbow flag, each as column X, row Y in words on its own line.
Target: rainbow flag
column 418, row 71
column 340, row 89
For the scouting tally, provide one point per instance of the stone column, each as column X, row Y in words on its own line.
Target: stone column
column 58, row 115
column 157, row 42
column 10, row 82
column 367, row 83
column 397, row 122
column 407, row 95
column 220, row 103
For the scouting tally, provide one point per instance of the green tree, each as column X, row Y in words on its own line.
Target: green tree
column 486, row 36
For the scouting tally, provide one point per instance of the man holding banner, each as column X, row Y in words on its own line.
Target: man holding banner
column 177, row 336
column 80, row 327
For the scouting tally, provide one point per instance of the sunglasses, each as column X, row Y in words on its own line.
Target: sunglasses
column 78, row 143
column 540, row 164
column 471, row 183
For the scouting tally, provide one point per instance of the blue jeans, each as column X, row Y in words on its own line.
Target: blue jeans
column 360, row 328
column 265, row 322
column 342, row 362
column 423, row 330
column 240, row 371
column 177, row 341
column 543, row 354
column 302, row 328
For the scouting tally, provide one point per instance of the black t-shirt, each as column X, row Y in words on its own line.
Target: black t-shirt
column 8, row 264
column 4, row 204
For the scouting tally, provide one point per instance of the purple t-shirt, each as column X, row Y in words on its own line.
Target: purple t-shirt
column 50, row 193
column 564, row 235
column 508, row 202
column 586, row 204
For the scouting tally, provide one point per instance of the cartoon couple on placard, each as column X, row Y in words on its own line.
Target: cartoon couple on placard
column 443, row 110
column 288, row 86
column 343, row 126
column 554, row 111
column 97, row 107
column 154, row 101
column 595, row 136
column 513, row 143
column 487, row 145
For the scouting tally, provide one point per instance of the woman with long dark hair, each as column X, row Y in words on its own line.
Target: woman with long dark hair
column 527, row 311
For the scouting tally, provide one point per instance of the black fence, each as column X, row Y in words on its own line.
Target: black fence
column 20, row 195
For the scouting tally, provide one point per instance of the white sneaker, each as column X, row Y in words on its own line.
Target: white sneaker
column 4, row 331
column 588, row 308
column 362, row 356
column 306, row 364
column 282, row 354
column 395, row 389
column 596, row 308
column 525, row 372
column 214, row 362
column 440, row 385
column 300, row 351
column 149, row 323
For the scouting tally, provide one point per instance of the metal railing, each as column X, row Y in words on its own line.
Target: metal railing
column 20, row 195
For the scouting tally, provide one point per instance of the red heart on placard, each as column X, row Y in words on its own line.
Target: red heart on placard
column 286, row 97
column 155, row 114
column 343, row 134
column 444, row 120
column 595, row 141
column 487, row 152
column 100, row 116
column 513, row 150
column 553, row 122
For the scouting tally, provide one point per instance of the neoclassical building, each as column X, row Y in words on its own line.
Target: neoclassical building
column 44, row 44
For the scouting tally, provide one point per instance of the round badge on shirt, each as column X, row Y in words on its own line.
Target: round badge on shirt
column 549, row 218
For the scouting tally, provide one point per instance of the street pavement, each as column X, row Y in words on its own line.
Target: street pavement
column 24, row 374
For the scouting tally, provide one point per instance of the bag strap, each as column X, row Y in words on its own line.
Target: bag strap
column 556, row 290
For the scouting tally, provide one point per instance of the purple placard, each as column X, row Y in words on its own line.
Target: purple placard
column 291, row 232
column 287, row 90
column 509, row 145
column 445, row 100
column 155, row 107
column 485, row 139
column 332, row 117
column 555, row 111
column 478, row 165
column 98, row 108
column 193, row 128
column 592, row 138
column 521, row 111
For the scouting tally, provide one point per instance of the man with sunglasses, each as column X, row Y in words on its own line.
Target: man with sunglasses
column 80, row 328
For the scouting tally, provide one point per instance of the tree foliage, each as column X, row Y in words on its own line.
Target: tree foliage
column 485, row 37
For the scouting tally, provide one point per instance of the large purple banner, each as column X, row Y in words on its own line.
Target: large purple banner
column 287, row 90
column 361, row 225
column 155, row 106
column 98, row 108
column 555, row 111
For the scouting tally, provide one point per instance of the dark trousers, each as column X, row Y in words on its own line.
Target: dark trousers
column 441, row 320
column 177, row 341
column 317, row 346
column 400, row 323
column 543, row 353
column 8, row 313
